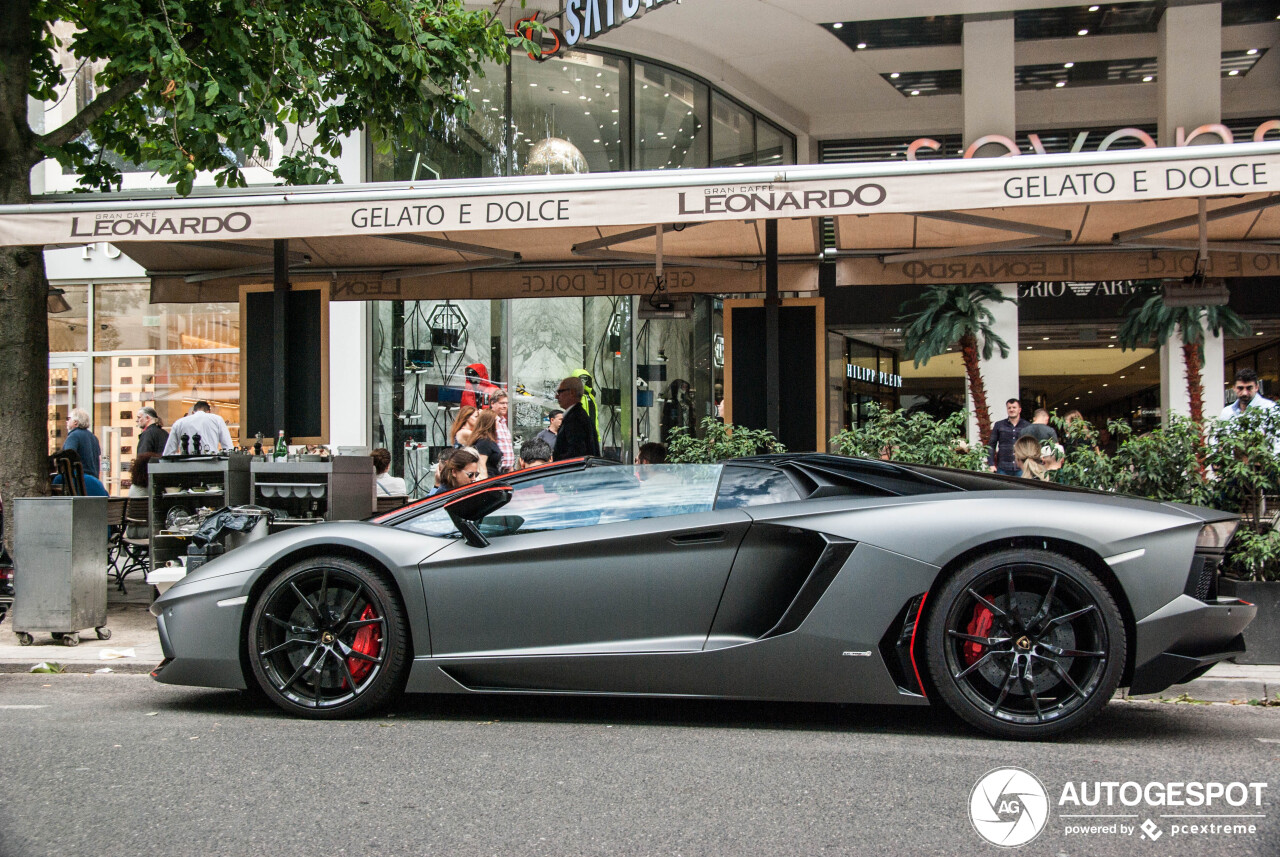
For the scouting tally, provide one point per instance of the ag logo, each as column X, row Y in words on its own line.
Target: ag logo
column 1008, row 807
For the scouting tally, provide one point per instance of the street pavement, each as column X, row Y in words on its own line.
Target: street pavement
column 121, row 766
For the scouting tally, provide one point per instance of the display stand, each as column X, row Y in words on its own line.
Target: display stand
column 306, row 492
column 190, row 485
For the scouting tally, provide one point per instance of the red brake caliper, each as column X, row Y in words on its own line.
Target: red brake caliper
column 368, row 641
column 979, row 626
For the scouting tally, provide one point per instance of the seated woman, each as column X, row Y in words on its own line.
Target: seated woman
column 384, row 482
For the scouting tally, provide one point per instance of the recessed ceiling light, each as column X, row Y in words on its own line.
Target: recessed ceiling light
column 1233, row 72
column 893, row 75
column 1112, row 345
column 862, row 45
column 1104, row 385
column 533, row 84
column 837, row 25
column 1060, row 84
column 1146, row 78
column 1094, row 8
column 1068, row 65
column 1142, row 367
column 1044, row 338
column 1259, row 333
column 1252, row 52
column 1090, row 392
column 1028, row 347
column 1083, row 33
column 1122, row 377
column 595, row 141
column 915, row 92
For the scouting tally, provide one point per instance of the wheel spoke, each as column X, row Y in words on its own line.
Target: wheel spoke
column 302, row 669
column 345, row 613
column 360, row 623
column 989, row 605
column 975, row 665
column 1043, row 612
column 286, row 644
column 346, row 671
column 1062, row 674
column 324, row 589
column 986, row 642
column 288, row 626
column 311, row 608
column 1071, row 653
column 315, row 683
column 1008, row 683
column 1067, row 617
column 359, row 655
column 1030, row 687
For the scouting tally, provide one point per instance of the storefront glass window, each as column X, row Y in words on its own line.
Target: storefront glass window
column 773, row 147
column 430, row 358
column 677, row 361
column 474, row 148
column 733, row 134
column 127, row 320
column 69, row 331
column 581, row 98
column 170, row 383
column 671, row 119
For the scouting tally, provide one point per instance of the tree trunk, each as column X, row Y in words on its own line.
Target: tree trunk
column 1195, row 390
column 24, row 331
column 977, row 390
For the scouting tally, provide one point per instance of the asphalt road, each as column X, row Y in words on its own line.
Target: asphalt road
column 119, row 766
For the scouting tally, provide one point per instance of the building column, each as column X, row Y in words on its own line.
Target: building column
column 1000, row 375
column 1173, row 377
column 987, row 85
column 1189, row 58
column 987, row 81
column 350, row 369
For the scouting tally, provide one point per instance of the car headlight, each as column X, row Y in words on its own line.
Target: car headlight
column 1217, row 535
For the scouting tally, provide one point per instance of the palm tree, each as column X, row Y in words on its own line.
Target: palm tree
column 1153, row 322
column 956, row 313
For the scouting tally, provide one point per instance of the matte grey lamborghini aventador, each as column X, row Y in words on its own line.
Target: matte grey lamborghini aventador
column 1019, row 605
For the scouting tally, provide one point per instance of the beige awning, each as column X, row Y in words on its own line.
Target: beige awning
column 1087, row 216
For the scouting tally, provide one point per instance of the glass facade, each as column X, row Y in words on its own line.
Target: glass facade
column 134, row 354
column 587, row 111
column 430, row 358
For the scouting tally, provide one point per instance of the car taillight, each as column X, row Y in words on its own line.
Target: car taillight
column 1217, row 535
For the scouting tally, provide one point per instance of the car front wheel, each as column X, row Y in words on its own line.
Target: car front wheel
column 328, row 638
column 1025, row 644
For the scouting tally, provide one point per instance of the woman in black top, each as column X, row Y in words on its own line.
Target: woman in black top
column 484, row 438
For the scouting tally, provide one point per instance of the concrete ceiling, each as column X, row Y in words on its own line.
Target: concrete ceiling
column 776, row 56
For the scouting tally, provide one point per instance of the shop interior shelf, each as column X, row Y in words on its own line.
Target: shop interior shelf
column 290, row 489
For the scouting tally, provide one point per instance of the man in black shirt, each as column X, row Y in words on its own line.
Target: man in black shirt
column 152, row 436
column 1003, row 435
column 577, row 435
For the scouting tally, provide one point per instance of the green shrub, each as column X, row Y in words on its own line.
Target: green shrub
column 914, row 439
column 718, row 442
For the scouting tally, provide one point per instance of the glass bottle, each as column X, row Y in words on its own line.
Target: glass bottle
column 281, row 452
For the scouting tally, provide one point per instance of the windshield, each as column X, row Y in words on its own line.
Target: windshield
column 584, row 498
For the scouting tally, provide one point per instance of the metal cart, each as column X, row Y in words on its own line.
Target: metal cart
column 60, row 562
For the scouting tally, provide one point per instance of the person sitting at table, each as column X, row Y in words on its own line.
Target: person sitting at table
column 385, row 483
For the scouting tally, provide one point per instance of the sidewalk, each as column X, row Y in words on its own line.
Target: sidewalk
column 132, row 627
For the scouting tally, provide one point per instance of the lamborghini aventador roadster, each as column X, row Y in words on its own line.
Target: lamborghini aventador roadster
column 1019, row 605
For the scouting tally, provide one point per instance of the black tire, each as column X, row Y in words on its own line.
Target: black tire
column 308, row 645
column 1044, row 667
column 25, row 639
column 103, row 633
column 72, row 639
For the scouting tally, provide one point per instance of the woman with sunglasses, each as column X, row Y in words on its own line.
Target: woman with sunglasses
column 458, row 469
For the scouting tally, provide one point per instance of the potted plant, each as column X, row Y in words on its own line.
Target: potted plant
column 718, row 442
column 912, row 438
column 1241, row 454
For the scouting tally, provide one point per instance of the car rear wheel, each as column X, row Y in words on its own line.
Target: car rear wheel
column 1025, row 644
column 328, row 638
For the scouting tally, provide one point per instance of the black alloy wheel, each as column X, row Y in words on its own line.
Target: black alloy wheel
column 1025, row 644
column 328, row 638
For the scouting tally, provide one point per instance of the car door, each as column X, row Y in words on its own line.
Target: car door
column 596, row 561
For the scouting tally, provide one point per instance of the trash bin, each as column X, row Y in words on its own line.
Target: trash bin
column 60, row 567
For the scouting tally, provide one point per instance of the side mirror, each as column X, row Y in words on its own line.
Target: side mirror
column 467, row 511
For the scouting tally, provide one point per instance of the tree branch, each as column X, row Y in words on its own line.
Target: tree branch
column 92, row 112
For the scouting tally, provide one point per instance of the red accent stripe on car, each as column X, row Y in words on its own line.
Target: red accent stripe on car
column 397, row 512
column 914, row 629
